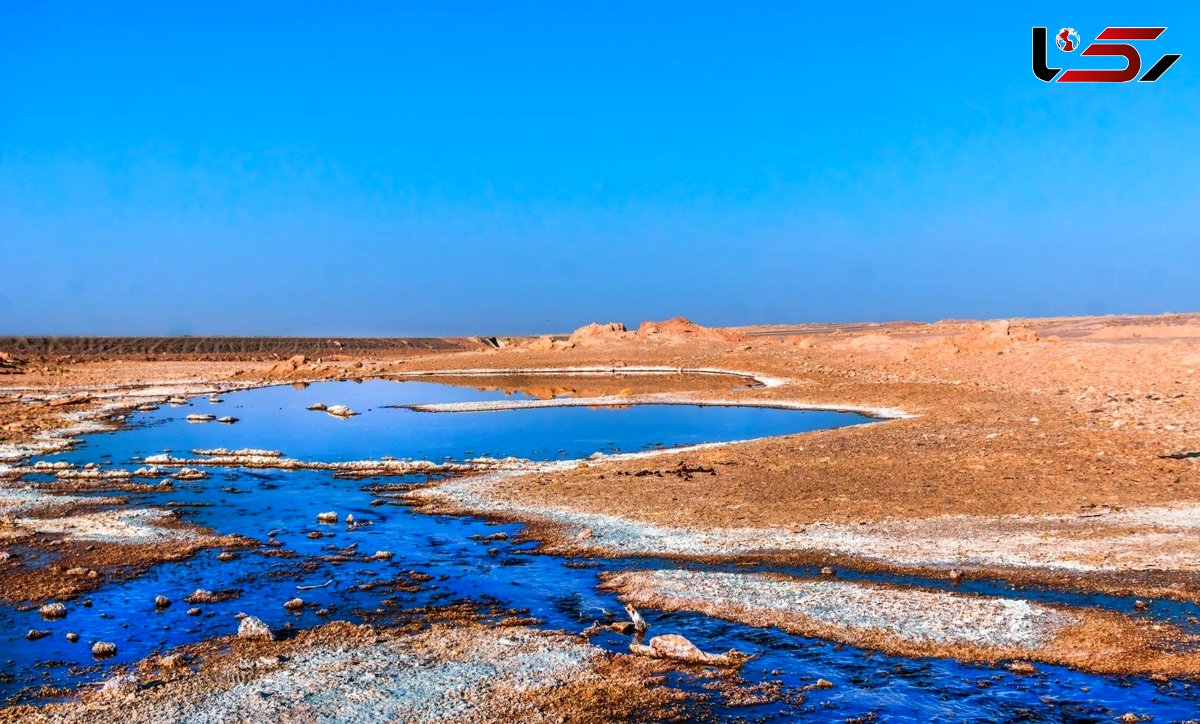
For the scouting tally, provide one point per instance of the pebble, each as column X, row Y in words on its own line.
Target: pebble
column 225, row 556
column 35, row 634
column 72, row 636
column 161, row 602
column 295, row 604
column 193, row 612
column 330, row 517
column 104, row 649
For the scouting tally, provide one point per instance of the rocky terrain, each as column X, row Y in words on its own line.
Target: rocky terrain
column 1060, row 453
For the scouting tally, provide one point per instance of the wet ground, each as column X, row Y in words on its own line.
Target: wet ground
column 439, row 559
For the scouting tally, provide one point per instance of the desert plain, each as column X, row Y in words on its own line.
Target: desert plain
column 1035, row 454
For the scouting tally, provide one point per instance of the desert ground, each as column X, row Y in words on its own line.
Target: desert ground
column 1060, row 454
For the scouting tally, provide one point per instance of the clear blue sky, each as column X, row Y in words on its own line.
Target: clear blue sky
column 456, row 168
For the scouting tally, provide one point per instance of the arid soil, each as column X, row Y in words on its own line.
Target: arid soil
column 1058, row 452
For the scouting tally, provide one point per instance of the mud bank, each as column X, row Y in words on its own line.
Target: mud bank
column 884, row 413
column 916, row 623
column 1146, row 551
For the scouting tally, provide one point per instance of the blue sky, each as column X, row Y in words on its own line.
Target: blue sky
column 461, row 168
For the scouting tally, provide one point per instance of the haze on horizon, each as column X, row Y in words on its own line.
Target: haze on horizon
column 467, row 168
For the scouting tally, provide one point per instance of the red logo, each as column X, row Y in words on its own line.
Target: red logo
column 1067, row 40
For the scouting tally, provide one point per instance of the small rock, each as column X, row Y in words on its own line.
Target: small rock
column 202, row 596
column 350, row 519
column 330, row 517
column 955, row 576
column 104, row 649
column 172, row 661
column 227, row 419
column 121, row 686
column 317, row 406
column 1140, row 605
column 35, row 634
column 823, row 684
column 315, row 534
column 1023, row 668
column 225, row 556
column 828, row 571
column 340, row 411
column 193, row 612
column 253, row 627
column 295, row 604
column 201, row 418
column 382, row 556
column 161, row 602
column 72, row 636
column 678, row 648
column 52, row 611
